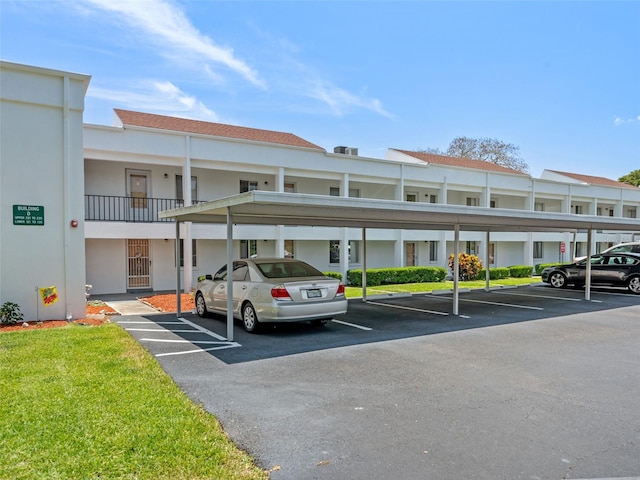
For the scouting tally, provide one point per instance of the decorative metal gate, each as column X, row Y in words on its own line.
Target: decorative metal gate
column 138, row 274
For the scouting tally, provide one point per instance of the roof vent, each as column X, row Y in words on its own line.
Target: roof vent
column 346, row 150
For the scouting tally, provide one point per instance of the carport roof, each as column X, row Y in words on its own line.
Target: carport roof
column 274, row 208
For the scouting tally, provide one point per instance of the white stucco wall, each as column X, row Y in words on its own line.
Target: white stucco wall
column 41, row 164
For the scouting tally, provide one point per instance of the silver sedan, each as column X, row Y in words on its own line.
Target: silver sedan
column 272, row 290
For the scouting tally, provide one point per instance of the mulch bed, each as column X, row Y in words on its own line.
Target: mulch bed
column 98, row 313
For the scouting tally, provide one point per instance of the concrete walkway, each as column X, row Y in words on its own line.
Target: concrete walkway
column 126, row 304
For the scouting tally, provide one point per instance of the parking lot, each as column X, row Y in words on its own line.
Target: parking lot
column 526, row 382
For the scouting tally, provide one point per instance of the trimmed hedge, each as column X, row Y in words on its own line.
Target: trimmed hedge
column 520, row 271
column 336, row 275
column 396, row 276
column 494, row 273
column 542, row 266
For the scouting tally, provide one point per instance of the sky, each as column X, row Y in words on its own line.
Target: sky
column 560, row 80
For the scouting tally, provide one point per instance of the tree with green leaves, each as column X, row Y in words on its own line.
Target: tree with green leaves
column 486, row 149
column 632, row 178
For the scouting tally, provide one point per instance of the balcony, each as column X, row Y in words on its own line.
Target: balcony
column 110, row 208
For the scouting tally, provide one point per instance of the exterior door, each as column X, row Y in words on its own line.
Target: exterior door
column 138, row 182
column 410, row 248
column 139, row 265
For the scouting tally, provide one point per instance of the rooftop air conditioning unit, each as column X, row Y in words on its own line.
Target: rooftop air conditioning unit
column 351, row 151
column 340, row 150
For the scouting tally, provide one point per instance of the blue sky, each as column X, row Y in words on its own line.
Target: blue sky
column 561, row 80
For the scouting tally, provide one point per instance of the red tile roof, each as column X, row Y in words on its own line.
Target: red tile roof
column 594, row 180
column 176, row 124
column 459, row 162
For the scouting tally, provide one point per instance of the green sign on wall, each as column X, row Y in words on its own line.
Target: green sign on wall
column 28, row 215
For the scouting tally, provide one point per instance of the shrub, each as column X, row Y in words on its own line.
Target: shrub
column 336, row 275
column 468, row 266
column 520, row 271
column 10, row 314
column 394, row 276
column 542, row 266
column 498, row 273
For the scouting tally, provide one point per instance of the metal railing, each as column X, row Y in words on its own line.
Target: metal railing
column 111, row 208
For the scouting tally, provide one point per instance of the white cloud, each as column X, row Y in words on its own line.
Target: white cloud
column 166, row 25
column 622, row 121
column 154, row 96
column 340, row 100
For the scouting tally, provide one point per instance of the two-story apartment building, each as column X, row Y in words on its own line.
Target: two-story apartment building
column 148, row 163
column 98, row 190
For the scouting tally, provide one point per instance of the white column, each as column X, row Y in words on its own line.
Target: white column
column 186, row 192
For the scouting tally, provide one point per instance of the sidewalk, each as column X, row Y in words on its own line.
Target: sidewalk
column 127, row 303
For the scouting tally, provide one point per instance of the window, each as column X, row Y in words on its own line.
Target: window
column 248, row 186
column 353, row 192
column 433, row 198
column 492, row 204
column 193, row 253
column 248, row 248
column 353, row 255
column 631, row 213
column 194, row 189
column 492, row 254
column 411, row 197
column 288, row 249
column 290, row 187
column 472, row 202
column 538, row 250
column 538, row 207
column 577, row 209
column 433, row 251
column 472, row 248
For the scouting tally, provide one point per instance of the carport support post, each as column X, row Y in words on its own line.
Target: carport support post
column 456, row 267
column 587, row 280
column 178, row 296
column 229, row 275
column 364, row 265
column 487, row 274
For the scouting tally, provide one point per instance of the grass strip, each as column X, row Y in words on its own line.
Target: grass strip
column 90, row 403
column 356, row 292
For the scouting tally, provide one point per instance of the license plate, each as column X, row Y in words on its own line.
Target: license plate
column 314, row 293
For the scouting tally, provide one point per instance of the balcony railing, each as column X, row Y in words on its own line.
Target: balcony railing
column 110, row 208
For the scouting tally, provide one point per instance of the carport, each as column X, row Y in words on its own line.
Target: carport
column 296, row 209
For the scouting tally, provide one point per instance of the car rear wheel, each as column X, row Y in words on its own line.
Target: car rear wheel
column 201, row 306
column 249, row 318
column 558, row 280
column 634, row 285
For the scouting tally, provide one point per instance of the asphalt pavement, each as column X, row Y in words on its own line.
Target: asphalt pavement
column 531, row 383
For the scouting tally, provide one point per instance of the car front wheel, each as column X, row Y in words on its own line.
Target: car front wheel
column 557, row 280
column 201, row 306
column 249, row 318
column 634, row 285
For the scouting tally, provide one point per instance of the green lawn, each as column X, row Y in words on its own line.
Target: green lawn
column 356, row 292
column 82, row 402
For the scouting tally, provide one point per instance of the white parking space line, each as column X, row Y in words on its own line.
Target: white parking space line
column 159, row 330
column 202, row 329
column 401, row 307
column 501, row 304
column 199, row 350
column 147, row 322
column 361, row 327
column 204, row 342
column 539, row 296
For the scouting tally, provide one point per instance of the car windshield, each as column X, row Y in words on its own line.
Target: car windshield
column 287, row 269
